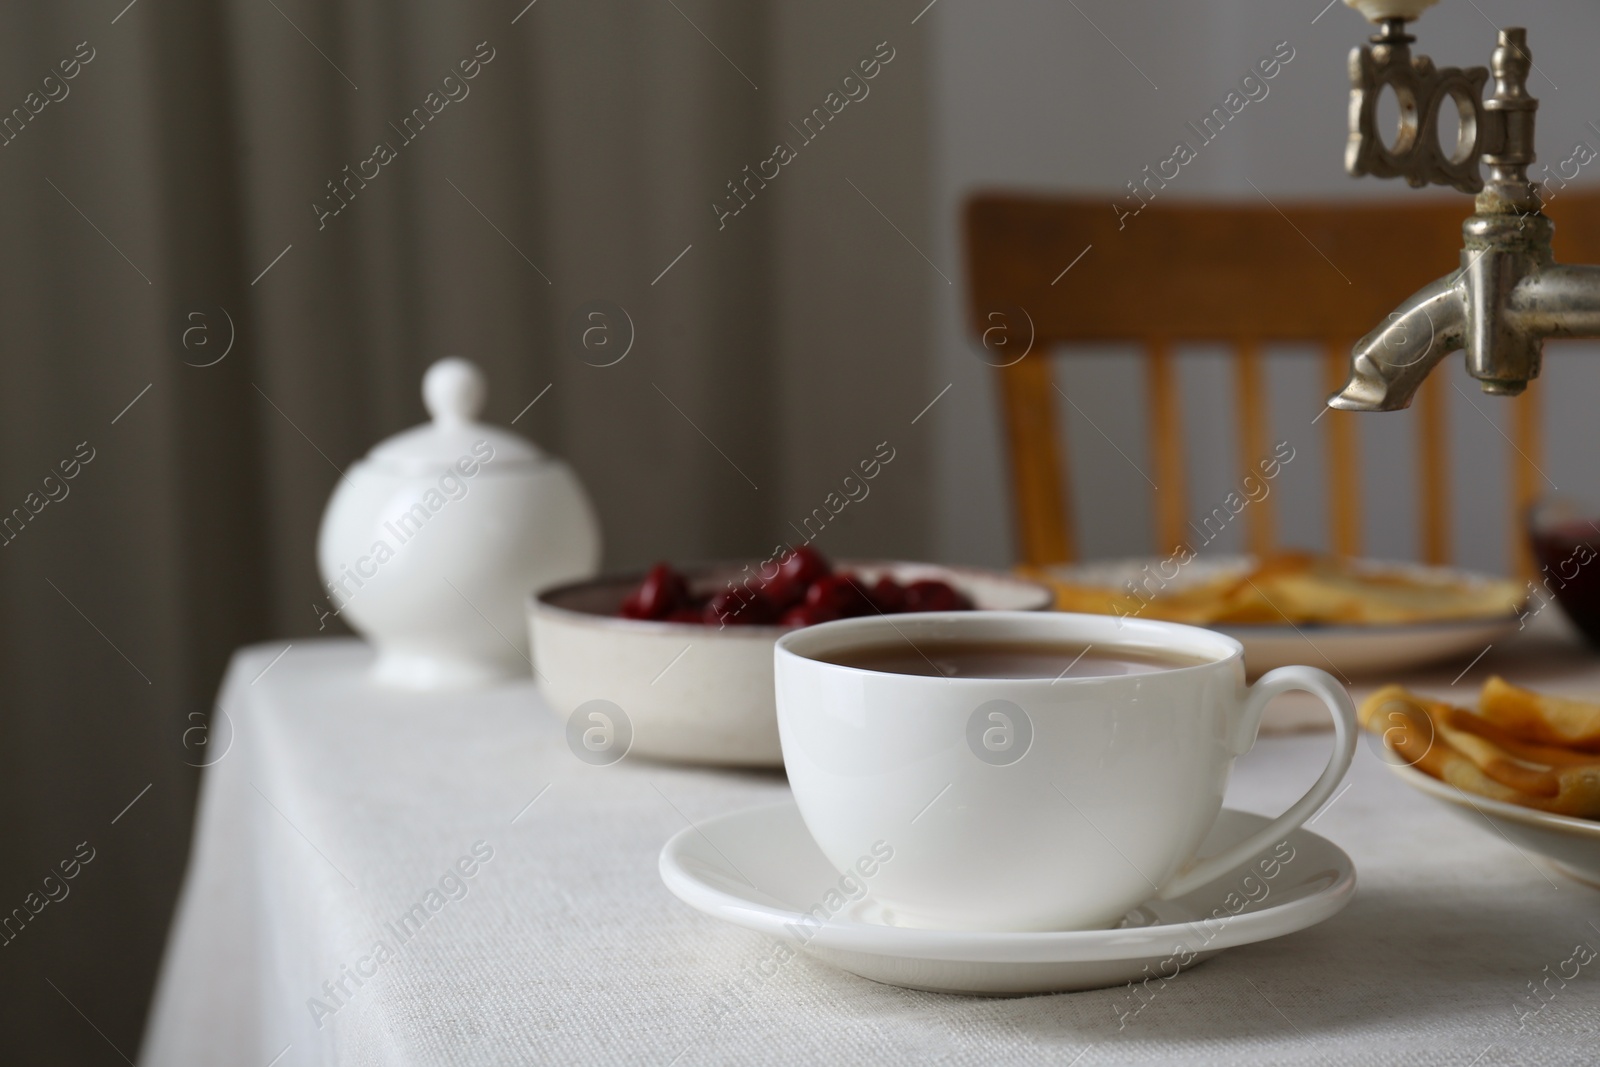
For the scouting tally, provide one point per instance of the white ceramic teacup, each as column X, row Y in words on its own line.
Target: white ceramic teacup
column 1034, row 803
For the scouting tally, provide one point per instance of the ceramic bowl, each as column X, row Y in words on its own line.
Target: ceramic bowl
column 687, row 692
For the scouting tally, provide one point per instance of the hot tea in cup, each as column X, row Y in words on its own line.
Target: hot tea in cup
column 1007, row 659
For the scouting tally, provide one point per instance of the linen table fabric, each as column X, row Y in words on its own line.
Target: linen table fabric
column 339, row 806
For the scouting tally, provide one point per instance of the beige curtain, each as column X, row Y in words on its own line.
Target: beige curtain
column 173, row 198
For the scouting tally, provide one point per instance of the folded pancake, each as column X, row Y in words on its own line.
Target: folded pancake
column 1541, row 719
column 1197, row 603
column 1480, row 756
column 1290, row 587
column 1329, row 590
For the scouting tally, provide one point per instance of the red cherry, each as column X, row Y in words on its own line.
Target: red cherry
column 888, row 595
column 828, row 594
column 838, row 595
column 804, row 566
column 933, row 595
column 804, row 616
column 763, row 612
column 663, row 591
column 784, row 592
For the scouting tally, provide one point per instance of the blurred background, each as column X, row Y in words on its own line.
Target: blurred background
column 196, row 294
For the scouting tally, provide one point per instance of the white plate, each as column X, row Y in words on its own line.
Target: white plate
column 760, row 869
column 1346, row 650
column 1571, row 845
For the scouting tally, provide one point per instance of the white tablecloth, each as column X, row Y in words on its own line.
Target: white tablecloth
column 338, row 808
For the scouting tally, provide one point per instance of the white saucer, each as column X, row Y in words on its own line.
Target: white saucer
column 760, row 869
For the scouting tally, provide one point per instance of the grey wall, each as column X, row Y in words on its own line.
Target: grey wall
column 1032, row 94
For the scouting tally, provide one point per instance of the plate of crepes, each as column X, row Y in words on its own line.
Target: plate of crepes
column 1359, row 616
column 1526, row 762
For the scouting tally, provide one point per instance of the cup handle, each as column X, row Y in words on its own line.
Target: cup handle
column 1306, row 679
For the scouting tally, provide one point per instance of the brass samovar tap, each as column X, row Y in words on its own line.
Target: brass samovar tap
column 1509, row 294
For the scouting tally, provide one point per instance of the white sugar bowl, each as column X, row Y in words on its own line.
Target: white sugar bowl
column 431, row 544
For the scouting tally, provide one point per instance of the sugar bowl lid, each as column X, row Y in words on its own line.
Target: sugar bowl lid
column 453, row 391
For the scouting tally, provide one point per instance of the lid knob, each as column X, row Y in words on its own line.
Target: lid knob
column 453, row 390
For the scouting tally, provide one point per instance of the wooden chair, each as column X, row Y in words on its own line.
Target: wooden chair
column 1243, row 274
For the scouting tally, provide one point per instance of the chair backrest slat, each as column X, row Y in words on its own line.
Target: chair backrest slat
column 1254, row 444
column 1344, row 458
column 1041, row 496
column 1166, row 427
column 1433, row 469
column 1529, row 479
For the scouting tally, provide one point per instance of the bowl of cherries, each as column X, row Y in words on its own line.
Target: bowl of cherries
column 676, row 663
